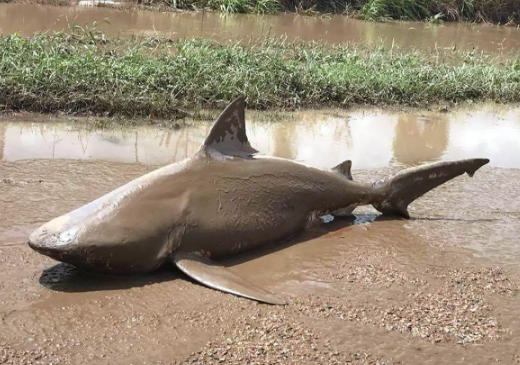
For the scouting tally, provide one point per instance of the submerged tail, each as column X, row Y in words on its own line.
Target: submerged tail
column 398, row 191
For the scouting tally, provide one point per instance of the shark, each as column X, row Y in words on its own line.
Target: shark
column 224, row 200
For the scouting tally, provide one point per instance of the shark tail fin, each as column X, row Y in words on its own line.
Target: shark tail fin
column 396, row 192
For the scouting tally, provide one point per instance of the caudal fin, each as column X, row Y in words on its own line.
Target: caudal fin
column 398, row 191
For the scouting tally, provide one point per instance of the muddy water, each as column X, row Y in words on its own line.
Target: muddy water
column 442, row 287
column 372, row 138
column 28, row 19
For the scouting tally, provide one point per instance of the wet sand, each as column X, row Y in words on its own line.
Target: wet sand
column 442, row 287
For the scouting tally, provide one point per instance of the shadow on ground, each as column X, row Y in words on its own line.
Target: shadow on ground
column 67, row 278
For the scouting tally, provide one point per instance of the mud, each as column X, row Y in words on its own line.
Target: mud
column 442, row 287
column 28, row 19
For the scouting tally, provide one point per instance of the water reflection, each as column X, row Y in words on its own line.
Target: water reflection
column 28, row 19
column 2, row 140
column 420, row 138
column 283, row 134
column 371, row 138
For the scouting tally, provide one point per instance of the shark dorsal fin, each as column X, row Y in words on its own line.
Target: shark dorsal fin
column 344, row 168
column 228, row 135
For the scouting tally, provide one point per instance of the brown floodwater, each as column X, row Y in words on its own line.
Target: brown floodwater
column 28, row 19
column 372, row 138
column 442, row 287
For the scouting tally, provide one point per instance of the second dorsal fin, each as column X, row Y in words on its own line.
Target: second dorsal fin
column 344, row 168
column 228, row 135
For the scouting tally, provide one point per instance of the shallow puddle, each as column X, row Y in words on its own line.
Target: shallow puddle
column 28, row 19
column 371, row 138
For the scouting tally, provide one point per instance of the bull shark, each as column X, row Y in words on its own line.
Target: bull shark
column 224, row 200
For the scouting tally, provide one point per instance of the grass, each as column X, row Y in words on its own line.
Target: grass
column 395, row 9
column 85, row 72
column 496, row 11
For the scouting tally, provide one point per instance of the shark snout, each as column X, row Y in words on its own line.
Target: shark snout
column 54, row 239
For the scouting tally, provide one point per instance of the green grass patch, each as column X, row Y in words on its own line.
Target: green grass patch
column 496, row 11
column 85, row 72
column 395, row 9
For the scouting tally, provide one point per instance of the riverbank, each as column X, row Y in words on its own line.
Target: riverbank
column 495, row 11
column 86, row 72
column 491, row 11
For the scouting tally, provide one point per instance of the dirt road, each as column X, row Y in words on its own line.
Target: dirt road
column 440, row 288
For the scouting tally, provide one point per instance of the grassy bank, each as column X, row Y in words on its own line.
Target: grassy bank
column 87, row 73
column 494, row 11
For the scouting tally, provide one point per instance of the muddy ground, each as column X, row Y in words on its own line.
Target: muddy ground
column 442, row 288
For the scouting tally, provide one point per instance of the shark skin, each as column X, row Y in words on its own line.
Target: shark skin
column 224, row 200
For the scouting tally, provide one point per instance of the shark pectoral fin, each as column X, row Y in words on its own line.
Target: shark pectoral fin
column 209, row 273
